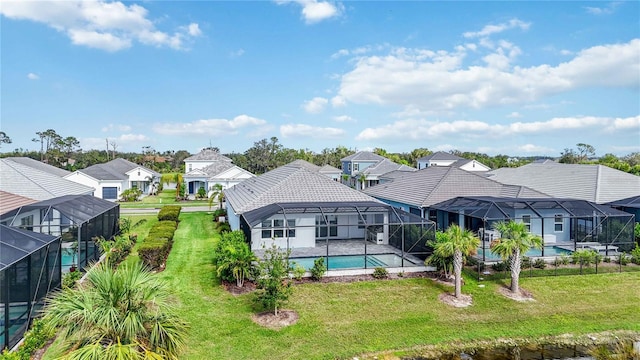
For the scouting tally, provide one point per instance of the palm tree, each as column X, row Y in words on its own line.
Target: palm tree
column 217, row 193
column 115, row 313
column 239, row 261
column 458, row 243
column 514, row 241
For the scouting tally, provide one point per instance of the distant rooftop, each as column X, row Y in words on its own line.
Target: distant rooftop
column 440, row 155
column 207, row 155
column 363, row 156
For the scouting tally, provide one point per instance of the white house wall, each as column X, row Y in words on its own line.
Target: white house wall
column 474, row 166
column 549, row 224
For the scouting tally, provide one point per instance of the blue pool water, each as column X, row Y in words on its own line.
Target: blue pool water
column 548, row 251
column 355, row 261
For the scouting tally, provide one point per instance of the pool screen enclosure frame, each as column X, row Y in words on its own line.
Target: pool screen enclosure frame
column 589, row 224
column 405, row 234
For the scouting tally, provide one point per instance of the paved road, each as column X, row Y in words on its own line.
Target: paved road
column 155, row 210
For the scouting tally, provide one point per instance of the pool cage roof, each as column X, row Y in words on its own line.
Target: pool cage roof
column 396, row 216
column 78, row 208
column 631, row 202
column 497, row 208
column 16, row 244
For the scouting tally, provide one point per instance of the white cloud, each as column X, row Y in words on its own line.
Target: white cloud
column 315, row 105
column 343, row 118
column 124, row 141
column 603, row 10
column 420, row 129
column 530, row 148
column 212, row 127
column 438, row 81
column 566, row 52
column 514, row 115
column 118, row 127
column 314, row 11
column 237, row 53
column 494, row 29
column 304, row 130
column 33, row 76
column 109, row 26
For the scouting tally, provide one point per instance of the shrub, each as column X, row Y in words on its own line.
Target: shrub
column 202, row 193
column 169, row 212
column 539, row 264
column 298, row 272
column 225, row 251
column 564, row 259
column 380, row 273
column 273, row 284
column 34, row 339
column 607, row 259
column 130, row 195
column 525, row 262
column 70, row 279
column 584, row 257
column 125, row 224
column 500, row 266
column 635, row 255
column 222, row 227
column 154, row 253
column 623, row 259
column 116, row 249
column 319, row 268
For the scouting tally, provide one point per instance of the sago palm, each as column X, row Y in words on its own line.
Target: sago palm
column 117, row 314
column 458, row 243
column 514, row 241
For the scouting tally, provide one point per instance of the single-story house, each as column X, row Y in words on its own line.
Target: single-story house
column 297, row 208
column 416, row 192
column 110, row 179
column 441, row 158
column 35, row 180
column 595, row 183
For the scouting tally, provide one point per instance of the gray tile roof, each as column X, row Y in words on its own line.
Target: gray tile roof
column 290, row 184
column 363, row 156
column 386, row 166
column 115, row 169
column 39, row 165
column 595, row 183
column 304, row 164
column 216, row 168
column 207, row 155
column 23, row 180
column 440, row 155
column 328, row 169
column 436, row 184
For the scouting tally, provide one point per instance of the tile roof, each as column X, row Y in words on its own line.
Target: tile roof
column 216, row 168
column 39, row 165
column 440, row 155
column 290, row 184
column 115, row 169
column 10, row 201
column 207, row 155
column 304, row 164
column 363, row 156
column 328, row 169
column 386, row 166
column 436, row 184
column 36, row 184
column 595, row 183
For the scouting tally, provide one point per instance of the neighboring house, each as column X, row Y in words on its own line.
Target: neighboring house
column 441, row 158
column 630, row 205
column 564, row 224
column 333, row 173
column 294, row 207
column 203, row 159
column 35, row 180
column 416, row 192
column 364, row 169
column 208, row 168
column 110, row 179
column 595, row 183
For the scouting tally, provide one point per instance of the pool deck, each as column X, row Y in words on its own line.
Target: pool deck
column 355, row 247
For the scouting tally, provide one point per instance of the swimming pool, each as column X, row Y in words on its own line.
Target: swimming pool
column 548, row 251
column 355, row 261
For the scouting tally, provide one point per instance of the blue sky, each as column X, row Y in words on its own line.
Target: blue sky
column 517, row 78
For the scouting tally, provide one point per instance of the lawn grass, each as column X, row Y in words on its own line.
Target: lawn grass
column 165, row 197
column 341, row 320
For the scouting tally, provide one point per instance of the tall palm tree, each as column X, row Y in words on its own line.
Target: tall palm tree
column 458, row 243
column 115, row 313
column 514, row 241
column 216, row 194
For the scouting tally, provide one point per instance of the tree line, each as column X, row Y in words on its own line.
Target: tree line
column 268, row 154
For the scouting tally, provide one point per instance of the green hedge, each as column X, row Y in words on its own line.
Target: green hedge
column 155, row 248
column 169, row 212
column 162, row 230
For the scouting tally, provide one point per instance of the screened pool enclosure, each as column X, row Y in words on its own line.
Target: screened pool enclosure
column 347, row 235
column 565, row 225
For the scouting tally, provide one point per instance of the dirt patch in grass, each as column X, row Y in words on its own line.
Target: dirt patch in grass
column 276, row 322
column 521, row 296
column 450, row 299
column 235, row 290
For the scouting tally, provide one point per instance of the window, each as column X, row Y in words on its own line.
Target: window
column 526, row 219
column 327, row 230
column 275, row 228
column 356, row 167
column 558, row 222
column 190, row 166
column 26, row 223
column 266, row 229
column 278, row 230
column 433, row 215
column 349, row 167
column 291, row 223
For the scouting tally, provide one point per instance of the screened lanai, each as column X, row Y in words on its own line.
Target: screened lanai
column 77, row 219
column 29, row 269
column 347, row 234
column 565, row 225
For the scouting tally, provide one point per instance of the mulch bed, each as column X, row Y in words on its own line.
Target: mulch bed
column 276, row 322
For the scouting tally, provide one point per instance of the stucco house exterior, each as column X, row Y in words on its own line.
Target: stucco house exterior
column 364, row 169
column 208, row 168
column 110, row 179
column 441, row 158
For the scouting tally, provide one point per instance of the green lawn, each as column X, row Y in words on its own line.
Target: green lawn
column 344, row 320
column 166, row 197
